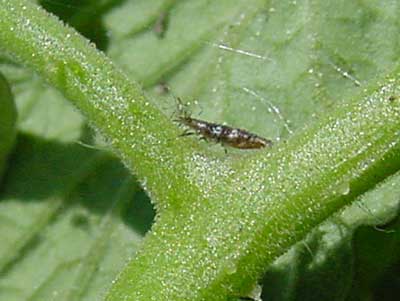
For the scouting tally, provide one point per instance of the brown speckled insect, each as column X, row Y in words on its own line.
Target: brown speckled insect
column 219, row 133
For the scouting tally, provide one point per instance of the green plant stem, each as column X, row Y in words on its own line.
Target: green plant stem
column 229, row 220
column 143, row 137
column 220, row 245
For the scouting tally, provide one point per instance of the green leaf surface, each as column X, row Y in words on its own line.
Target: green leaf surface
column 64, row 222
column 346, row 257
column 8, row 117
column 71, row 216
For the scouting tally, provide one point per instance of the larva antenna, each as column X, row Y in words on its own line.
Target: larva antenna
column 181, row 106
column 180, row 109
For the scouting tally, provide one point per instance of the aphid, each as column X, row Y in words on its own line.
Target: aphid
column 161, row 25
column 162, row 88
column 219, row 133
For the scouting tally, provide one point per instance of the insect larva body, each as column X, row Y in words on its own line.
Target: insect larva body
column 226, row 135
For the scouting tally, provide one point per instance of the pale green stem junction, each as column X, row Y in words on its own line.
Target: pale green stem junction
column 221, row 221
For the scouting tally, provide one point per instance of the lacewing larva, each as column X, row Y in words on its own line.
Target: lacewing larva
column 219, row 133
